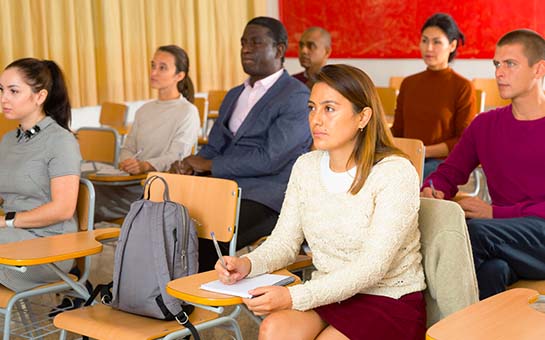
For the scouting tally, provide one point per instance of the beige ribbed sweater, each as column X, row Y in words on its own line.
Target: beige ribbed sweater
column 363, row 243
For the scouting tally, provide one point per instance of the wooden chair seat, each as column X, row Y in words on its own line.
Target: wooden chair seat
column 105, row 323
column 6, row 294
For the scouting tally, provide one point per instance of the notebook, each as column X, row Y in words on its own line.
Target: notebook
column 242, row 287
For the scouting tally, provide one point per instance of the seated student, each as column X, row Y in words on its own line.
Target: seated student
column 355, row 201
column 261, row 130
column 39, row 163
column 163, row 131
column 436, row 105
column 507, row 236
column 314, row 50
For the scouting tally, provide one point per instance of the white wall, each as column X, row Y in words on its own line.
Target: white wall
column 380, row 70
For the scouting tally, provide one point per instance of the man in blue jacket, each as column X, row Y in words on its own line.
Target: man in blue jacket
column 261, row 130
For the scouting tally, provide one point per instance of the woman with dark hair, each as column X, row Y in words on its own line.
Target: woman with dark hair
column 355, row 200
column 436, row 105
column 164, row 130
column 40, row 163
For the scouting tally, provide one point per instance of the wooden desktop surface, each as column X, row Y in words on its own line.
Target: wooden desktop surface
column 188, row 289
column 505, row 316
column 42, row 250
column 117, row 180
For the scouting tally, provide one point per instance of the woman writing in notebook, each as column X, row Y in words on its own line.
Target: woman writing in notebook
column 39, row 163
column 436, row 105
column 355, row 200
column 163, row 131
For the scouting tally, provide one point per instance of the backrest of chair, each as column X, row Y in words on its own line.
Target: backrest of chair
column 490, row 87
column 202, row 107
column 99, row 144
column 395, row 82
column 85, row 210
column 215, row 97
column 447, row 258
column 415, row 150
column 113, row 114
column 212, row 202
column 388, row 98
column 7, row 125
column 86, row 205
column 480, row 100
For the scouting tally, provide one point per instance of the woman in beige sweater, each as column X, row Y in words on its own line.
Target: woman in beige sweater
column 355, row 200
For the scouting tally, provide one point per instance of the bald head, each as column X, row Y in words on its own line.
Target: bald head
column 314, row 49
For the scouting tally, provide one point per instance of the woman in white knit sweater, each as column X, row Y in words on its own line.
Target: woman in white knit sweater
column 355, row 200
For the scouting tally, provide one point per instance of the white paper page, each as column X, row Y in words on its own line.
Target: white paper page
column 242, row 287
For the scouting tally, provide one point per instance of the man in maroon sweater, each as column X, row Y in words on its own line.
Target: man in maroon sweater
column 507, row 236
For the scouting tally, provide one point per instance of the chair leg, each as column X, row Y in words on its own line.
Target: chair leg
column 62, row 336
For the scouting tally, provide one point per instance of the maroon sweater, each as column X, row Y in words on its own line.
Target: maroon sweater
column 435, row 107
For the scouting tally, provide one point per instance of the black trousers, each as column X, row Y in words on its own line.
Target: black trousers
column 506, row 250
column 255, row 221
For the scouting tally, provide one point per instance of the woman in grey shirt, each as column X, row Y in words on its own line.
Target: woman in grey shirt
column 39, row 162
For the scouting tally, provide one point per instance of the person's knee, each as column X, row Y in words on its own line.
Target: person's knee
column 493, row 277
column 273, row 326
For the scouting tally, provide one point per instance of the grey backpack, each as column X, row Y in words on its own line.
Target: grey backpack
column 158, row 243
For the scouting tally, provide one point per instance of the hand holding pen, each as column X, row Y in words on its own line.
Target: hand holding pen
column 431, row 192
column 230, row 269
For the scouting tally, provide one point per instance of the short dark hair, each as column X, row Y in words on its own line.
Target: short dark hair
column 181, row 60
column 533, row 43
column 47, row 75
column 277, row 31
column 446, row 24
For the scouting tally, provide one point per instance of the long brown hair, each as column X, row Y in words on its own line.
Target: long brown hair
column 375, row 141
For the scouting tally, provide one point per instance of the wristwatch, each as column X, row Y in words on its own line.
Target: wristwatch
column 10, row 219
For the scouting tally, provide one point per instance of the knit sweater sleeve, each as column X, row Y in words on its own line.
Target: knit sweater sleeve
column 396, row 203
column 465, row 110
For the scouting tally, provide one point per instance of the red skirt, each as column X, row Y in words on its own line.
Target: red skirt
column 368, row 317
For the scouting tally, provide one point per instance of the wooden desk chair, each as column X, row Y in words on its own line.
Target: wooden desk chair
column 395, row 82
column 202, row 105
column 7, row 125
column 99, row 144
column 480, row 100
column 507, row 315
column 388, row 98
column 490, row 87
column 114, row 115
column 215, row 97
column 214, row 204
column 447, row 259
column 415, row 150
column 48, row 250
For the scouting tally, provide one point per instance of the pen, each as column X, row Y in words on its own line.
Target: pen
column 432, row 188
column 137, row 154
column 217, row 246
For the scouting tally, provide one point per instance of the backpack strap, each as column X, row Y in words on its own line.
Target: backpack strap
column 149, row 182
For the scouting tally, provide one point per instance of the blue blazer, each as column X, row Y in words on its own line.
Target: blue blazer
column 259, row 157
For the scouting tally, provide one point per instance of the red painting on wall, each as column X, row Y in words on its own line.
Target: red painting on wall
column 391, row 28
